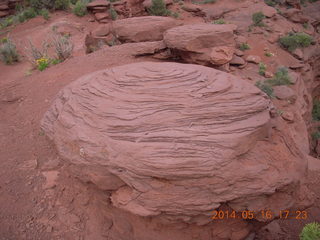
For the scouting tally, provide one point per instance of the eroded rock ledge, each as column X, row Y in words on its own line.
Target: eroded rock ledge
column 175, row 141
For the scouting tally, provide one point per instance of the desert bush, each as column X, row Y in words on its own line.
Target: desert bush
column 262, row 68
column 204, row 2
column 158, row 8
column 219, row 21
column 61, row 4
column 266, row 88
column 41, row 4
column 244, row 46
column 62, row 45
column 281, row 77
column 315, row 135
column 316, row 110
column 113, row 13
column 270, row 3
column 310, row 231
column 8, row 52
column 257, row 19
column 44, row 13
column 292, row 41
column 80, row 9
column 33, row 53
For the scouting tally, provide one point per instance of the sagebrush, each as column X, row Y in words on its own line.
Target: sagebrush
column 8, row 52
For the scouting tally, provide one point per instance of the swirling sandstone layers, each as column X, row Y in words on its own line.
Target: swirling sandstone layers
column 175, row 140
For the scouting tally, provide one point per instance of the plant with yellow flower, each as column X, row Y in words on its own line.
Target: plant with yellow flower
column 42, row 63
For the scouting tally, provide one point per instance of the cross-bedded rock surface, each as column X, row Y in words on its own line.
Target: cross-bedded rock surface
column 176, row 140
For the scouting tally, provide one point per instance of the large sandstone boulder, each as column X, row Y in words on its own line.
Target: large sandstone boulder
column 175, row 140
column 202, row 43
column 142, row 29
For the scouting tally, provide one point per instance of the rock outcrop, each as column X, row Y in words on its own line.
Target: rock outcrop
column 142, row 29
column 206, row 44
column 176, row 141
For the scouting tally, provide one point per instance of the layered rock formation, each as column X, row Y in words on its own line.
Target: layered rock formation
column 175, row 141
column 202, row 43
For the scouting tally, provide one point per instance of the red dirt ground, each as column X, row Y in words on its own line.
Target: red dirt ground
column 33, row 206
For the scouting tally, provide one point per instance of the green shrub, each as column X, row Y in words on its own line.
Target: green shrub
column 44, row 13
column 315, row 135
column 270, row 3
column 80, row 9
column 113, row 13
column 204, row 2
column 73, row 2
column 42, row 63
column 30, row 13
column 158, row 8
column 41, row 4
column 244, row 46
column 175, row 14
column 219, row 21
column 61, row 4
column 262, row 68
column 311, row 231
column 281, row 77
column 8, row 52
column 266, row 88
column 316, row 110
column 295, row 40
column 257, row 19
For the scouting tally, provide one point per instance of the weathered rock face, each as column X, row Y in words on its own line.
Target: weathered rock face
column 142, row 29
column 175, row 140
column 202, row 43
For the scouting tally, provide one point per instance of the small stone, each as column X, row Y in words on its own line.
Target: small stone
column 253, row 59
column 288, row 116
column 102, row 30
column 273, row 38
column 238, row 52
column 285, row 93
column 269, row 11
column 240, row 40
column 237, row 60
column 101, row 16
column 298, row 54
column 268, row 74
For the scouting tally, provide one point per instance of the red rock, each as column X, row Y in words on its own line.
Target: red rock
column 288, row 116
column 269, row 11
column 102, row 30
column 253, row 59
column 4, row 14
column 237, row 61
column 295, row 15
column 101, row 16
column 175, row 134
column 238, row 52
column 148, row 48
column 268, row 74
column 98, row 3
column 142, row 29
column 285, row 93
column 4, row 7
column 202, row 43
